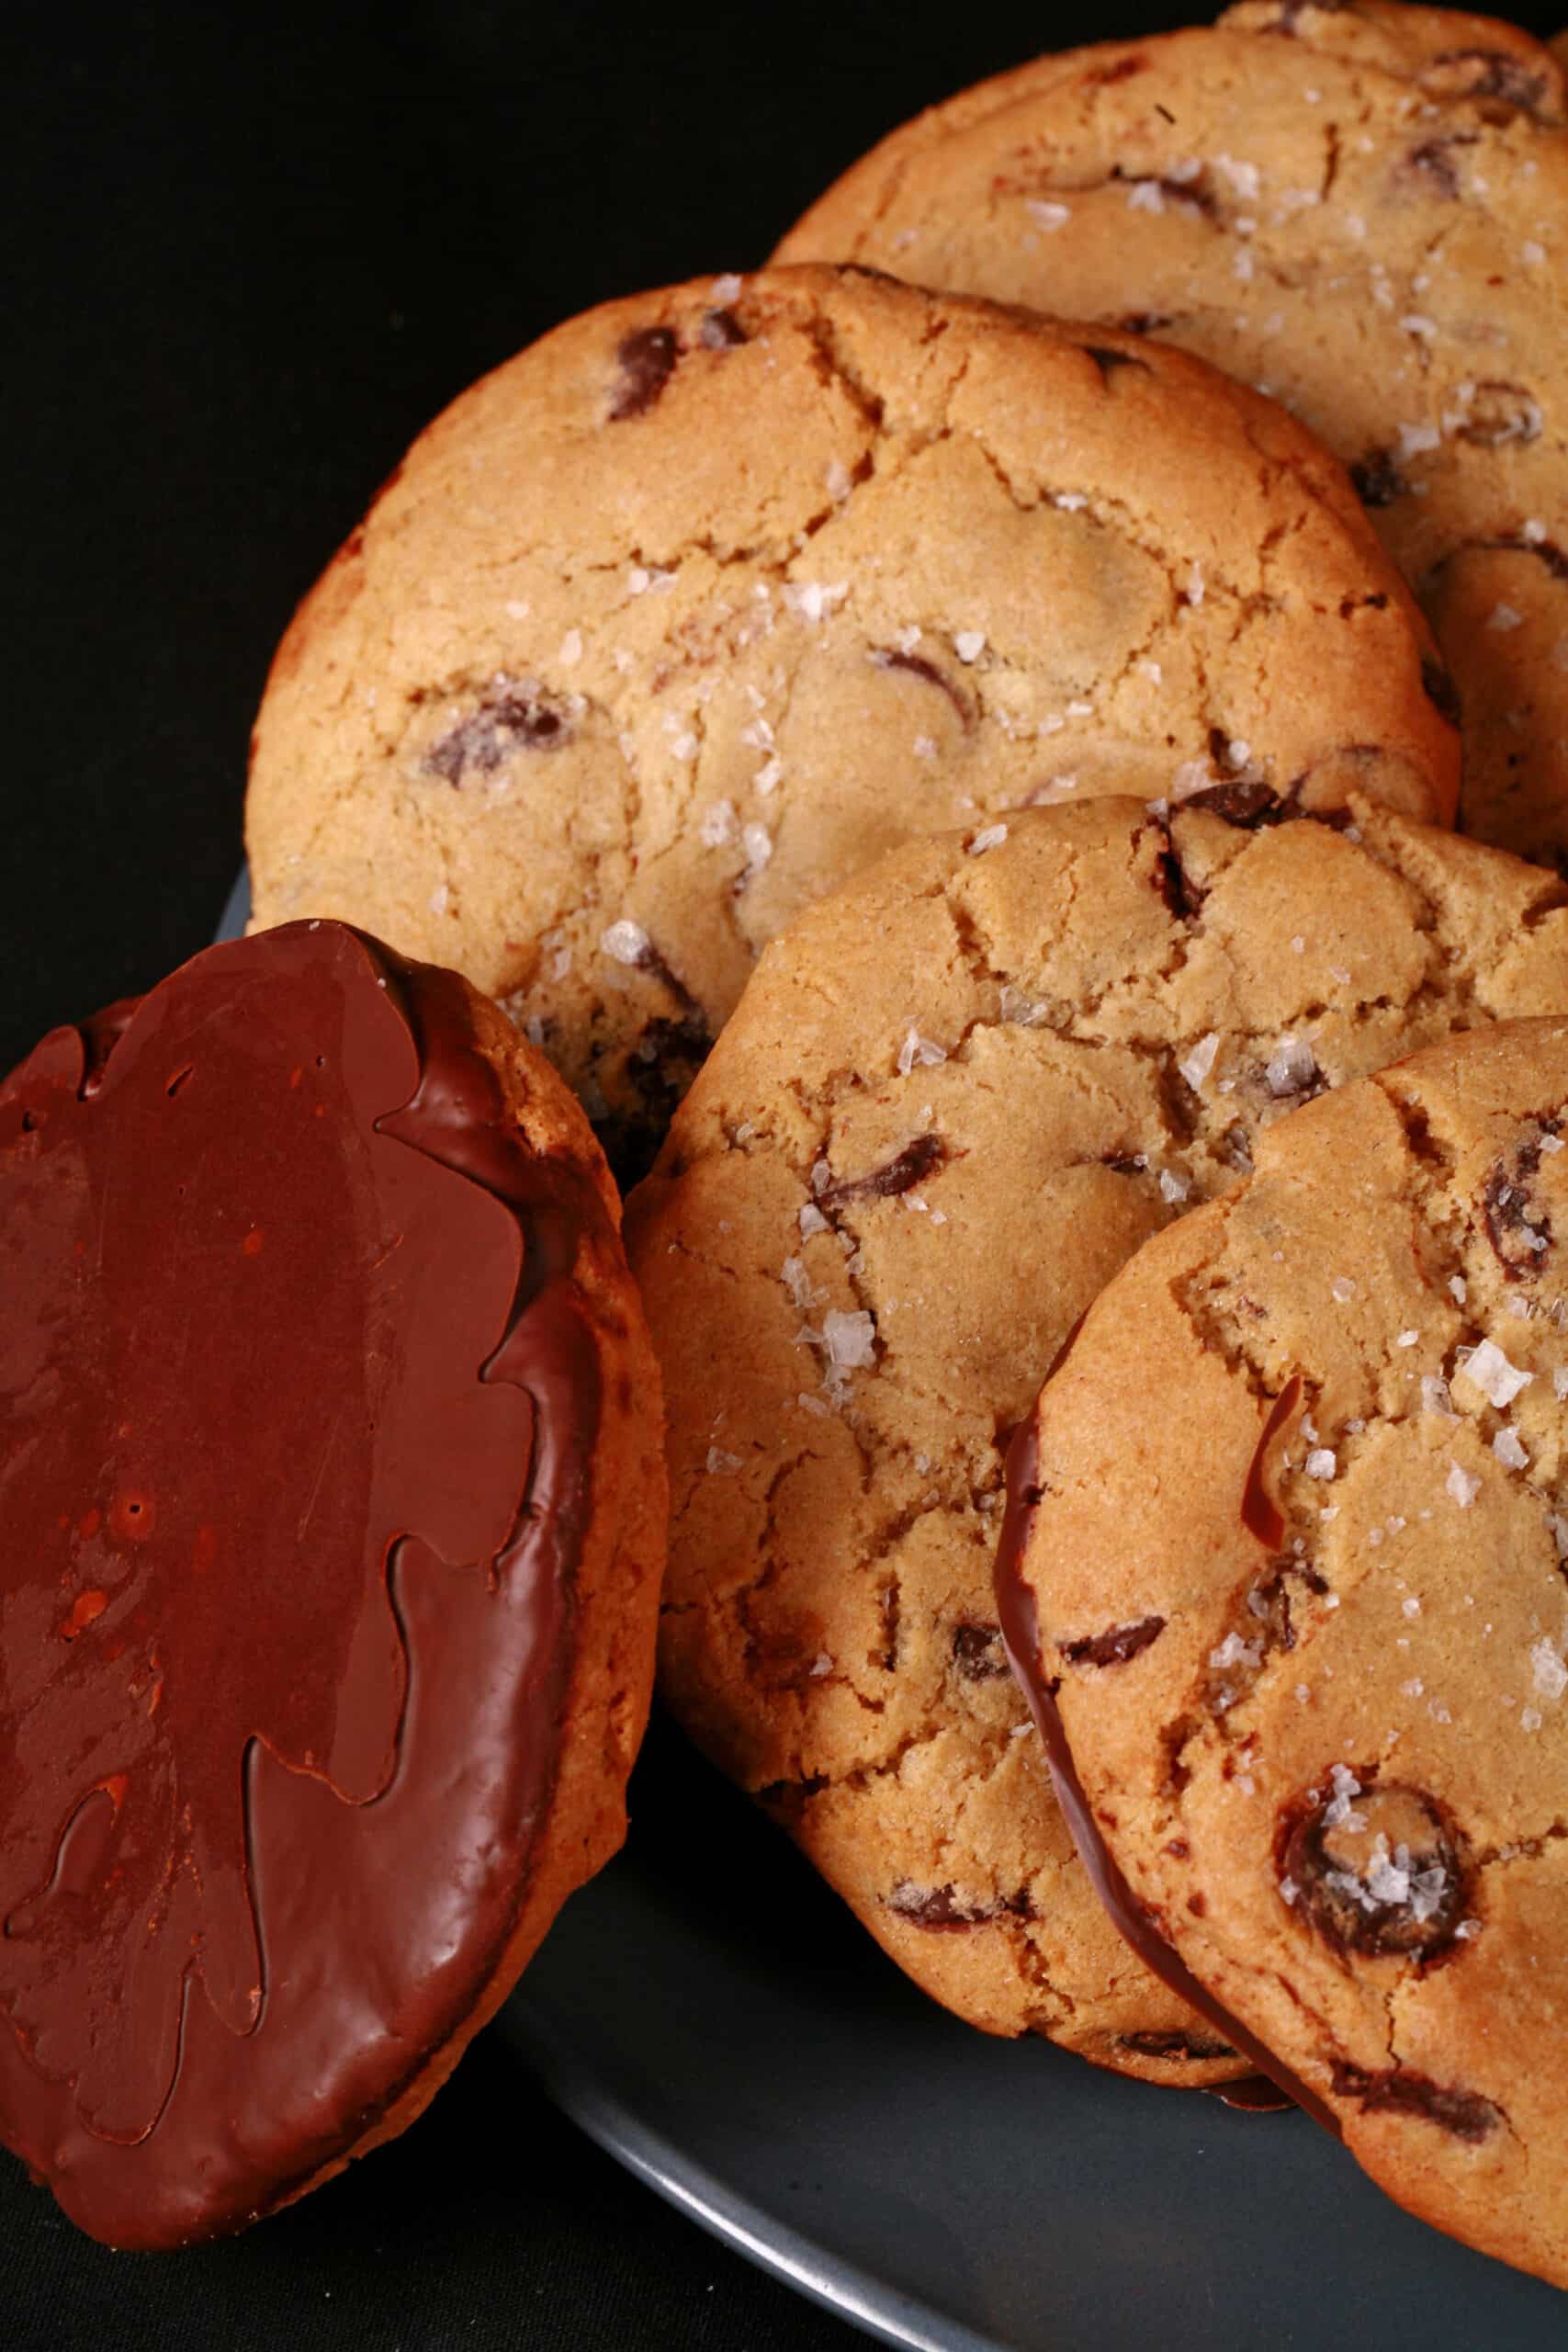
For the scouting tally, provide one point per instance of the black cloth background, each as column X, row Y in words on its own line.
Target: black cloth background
column 247, row 253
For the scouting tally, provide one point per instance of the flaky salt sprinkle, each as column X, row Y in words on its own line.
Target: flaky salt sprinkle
column 1504, row 618
column 1461, row 1486
column 1407, row 1338
column 1321, row 1463
column 1195, row 584
column 1173, row 1188
column 1550, row 1672
column 1343, row 1288
column 1457, row 1289
column 820, row 1664
column 1197, row 1064
column 571, row 649
column 1145, row 196
column 721, row 1464
column 969, row 644
column 815, row 599
column 1488, row 1369
column 1505, row 1445
column 625, row 942
column 991, row 838
column 758, row 844
column 849, row 1339
column 1046, row 215
column 1291, row 1067
column 918, row 1050
column 725, row 289
column 718, row 825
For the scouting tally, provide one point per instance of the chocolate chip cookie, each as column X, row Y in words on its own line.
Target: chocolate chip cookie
column 715, row 593
column 952, row 1104
column 1286, row 1564
column 333, row 1502
column 1362, row 209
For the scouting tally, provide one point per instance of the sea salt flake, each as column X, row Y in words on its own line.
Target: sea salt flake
column 1551, row 1673
column 1198, row 1064
column 571, row 649
column 1234, row 1651
column 1461, row 1486
column 969, row 644
column 1046, row 215
column 916, row 1049
column 758, row 843
column 815, row 599
column 1532, row 252
column 991, row 838
column 1407, row 1338
column 1505, row 1445
column 1173, row 1188
column 1195, row 584
column 1145, row 196
column 1071, row 501
column 721, row 1464
column 1457, row 1289
column 1531, row 1719
column 1291, row 1067
column 1343, row 1288
column 849, row 1339
column 1488, row 1369
column 1503, row 617
column 820, row 1664
column 1321, row 1463
column 438, row 899
column 626, row 943
column 717, row 825
column 1288, row 1890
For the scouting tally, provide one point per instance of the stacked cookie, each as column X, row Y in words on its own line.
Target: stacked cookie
column 964, row 796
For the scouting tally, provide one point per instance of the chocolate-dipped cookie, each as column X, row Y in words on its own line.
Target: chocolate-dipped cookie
column 335, row 1521
column 1284, row 1571
column 1362, row 209
column 953, row 1101
column 717, row 592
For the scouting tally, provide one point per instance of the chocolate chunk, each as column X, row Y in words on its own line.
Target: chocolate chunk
column 942, row 1908
column 1440, row 690
column 1174, row 2045
column 1260, row 1514
column 647, row 361
column 978, row 1652
column 888, row 657
column 1396, row 2091
column 1269, row 1603
column 1517, row 1225
column 1108, row 361
column 900, row 1174
column 1115, row 1645
column 1486, row 73
column 1170, row 881
column 1435, row 159
column 1246, row 806
column 1376, row 1867
column 1378, row 481
column 1501, row 412
column 1123, row 1163
column 721, row 331
column 516, row 714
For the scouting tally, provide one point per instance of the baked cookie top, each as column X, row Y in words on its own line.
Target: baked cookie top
column 333, row 1511
column 1293, row 1517
column 715, row 594
column 1363, row 210
column 953, row 1100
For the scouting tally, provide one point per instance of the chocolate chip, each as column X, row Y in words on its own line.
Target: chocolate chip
column 1115, row 1645
column 516, row 714
column 1376, row 1867
column 1440, row 690
column 889, row 1608
column 1123, row 1163
column 1269, row 1603
column 1486, row 73
column 900, row 1174
column 647, row 360
column 1246, row 806
column 1378, row 481
column 1397, row 2091
column 1108, row 361
column 1170, row 880
column 889, row 658
column 942, row 1908
column 1500, row 413
column 1519, row 1226
column 978, row 1652
column 1435, row 159
column 1174, row 2045
column 721, row 331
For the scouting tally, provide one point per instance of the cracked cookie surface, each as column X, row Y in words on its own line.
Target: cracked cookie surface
column 1362, row 209
column 1311, row 1444
column 715, row 593
column 953, row 1100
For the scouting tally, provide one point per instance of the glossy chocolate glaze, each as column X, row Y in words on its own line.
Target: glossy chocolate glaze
column 300, row 1402
column 1021, row 1634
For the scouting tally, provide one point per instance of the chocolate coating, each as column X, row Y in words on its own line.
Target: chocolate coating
column 301, row 1403
column 1020, row 1633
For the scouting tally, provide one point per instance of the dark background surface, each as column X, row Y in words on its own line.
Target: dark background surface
column 246, row 255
